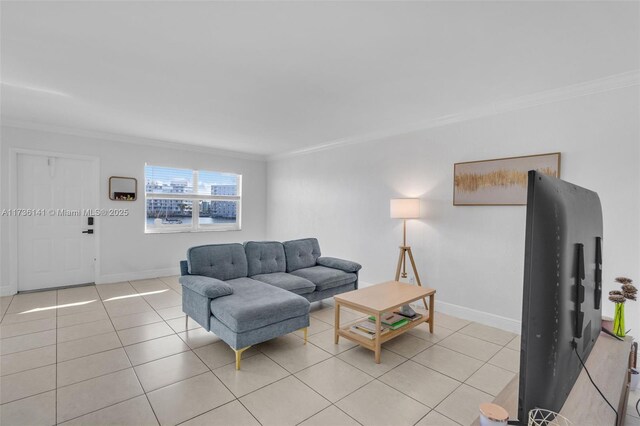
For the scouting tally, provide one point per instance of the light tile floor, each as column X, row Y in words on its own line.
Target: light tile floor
column 121, row 354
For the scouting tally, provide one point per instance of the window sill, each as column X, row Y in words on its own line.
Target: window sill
column 189, row 230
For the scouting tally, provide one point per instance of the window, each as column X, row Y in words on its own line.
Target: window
column 182, row 200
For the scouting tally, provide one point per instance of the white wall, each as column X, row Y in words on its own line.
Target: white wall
column 473, row 256
column 125, row 251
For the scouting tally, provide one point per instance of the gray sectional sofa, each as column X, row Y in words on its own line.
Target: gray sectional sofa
column 253, row 292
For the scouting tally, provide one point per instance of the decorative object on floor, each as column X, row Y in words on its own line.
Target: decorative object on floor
column 493, row 415
column 499, row 182
column 542, row 417
column 406, row 208
column 635, row 378
column 123, row 188
column 619, row 297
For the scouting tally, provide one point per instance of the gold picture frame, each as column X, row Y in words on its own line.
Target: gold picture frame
column 500, row 181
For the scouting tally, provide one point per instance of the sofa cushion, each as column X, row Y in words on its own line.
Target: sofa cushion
column 265, row 257
column 290, row 282
column 301, row 253
column 254, row 304
column 221, row 261
column 325, row 278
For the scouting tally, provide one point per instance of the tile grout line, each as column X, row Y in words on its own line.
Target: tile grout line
column 55, row 362
column 7, row 310
column 105, row 407
column 101, row 352
column 461, row 353
column 444, row 374
column 131, row 366
column 436, row 411
column 346, row 414
column 192, row 350
column 122, row 369
column 373, row 378
column 213, row 409
column 360, row 369
column 55, row 413
column 129, row 359
column 309, row 366
column 28, row 334
column 235, row 398
column 98, row 376
column 319, row 394
column 411, row 359
column 26, row 397
column 351, row 393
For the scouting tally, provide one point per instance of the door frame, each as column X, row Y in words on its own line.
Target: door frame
column 13, row 204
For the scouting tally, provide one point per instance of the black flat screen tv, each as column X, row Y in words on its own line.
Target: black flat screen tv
column 561, row 307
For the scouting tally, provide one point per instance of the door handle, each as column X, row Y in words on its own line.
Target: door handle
column 88, row 231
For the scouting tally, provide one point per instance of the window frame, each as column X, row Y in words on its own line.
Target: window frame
column 195, row 199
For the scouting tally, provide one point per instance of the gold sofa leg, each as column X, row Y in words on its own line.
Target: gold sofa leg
column 239, row 355
column 306, row 332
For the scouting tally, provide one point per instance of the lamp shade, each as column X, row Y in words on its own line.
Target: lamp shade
column 405, row 208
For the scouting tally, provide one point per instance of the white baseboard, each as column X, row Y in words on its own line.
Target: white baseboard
column 7, row 290
column 470, row 314
column 481, row 317
column 138, row 275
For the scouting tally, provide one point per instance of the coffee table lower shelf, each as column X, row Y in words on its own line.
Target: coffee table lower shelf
column 370, row 344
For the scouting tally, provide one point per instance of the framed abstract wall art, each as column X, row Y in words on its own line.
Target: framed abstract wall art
column 499, row 182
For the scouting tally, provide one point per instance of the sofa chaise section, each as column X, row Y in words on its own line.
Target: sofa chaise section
column 219, row 296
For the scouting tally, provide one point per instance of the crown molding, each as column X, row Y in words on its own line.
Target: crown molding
column 95, row 134
column 605, row 84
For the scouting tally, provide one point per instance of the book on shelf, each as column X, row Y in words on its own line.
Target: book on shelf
column 393, row 321
column 362, row 333
column 369, row 326
column 368, row 330
column 416, row 317
column 389, row 319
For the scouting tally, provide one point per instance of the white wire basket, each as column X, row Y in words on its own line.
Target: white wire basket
column 542, row 417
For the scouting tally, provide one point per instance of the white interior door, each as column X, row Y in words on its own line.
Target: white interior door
column 53, row 251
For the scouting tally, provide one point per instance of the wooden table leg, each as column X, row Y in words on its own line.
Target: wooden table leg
column 432, row 312
column 378, row 332
column 336, row 325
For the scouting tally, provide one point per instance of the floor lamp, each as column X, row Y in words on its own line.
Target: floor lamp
column 406, row 208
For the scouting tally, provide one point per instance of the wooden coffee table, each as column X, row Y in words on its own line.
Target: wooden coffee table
column 376, row 300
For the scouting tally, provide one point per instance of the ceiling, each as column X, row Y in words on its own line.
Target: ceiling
column 272, row 77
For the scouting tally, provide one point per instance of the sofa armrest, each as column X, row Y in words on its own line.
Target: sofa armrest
column 343, row 265
column 184, row 267
column 205, row 286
